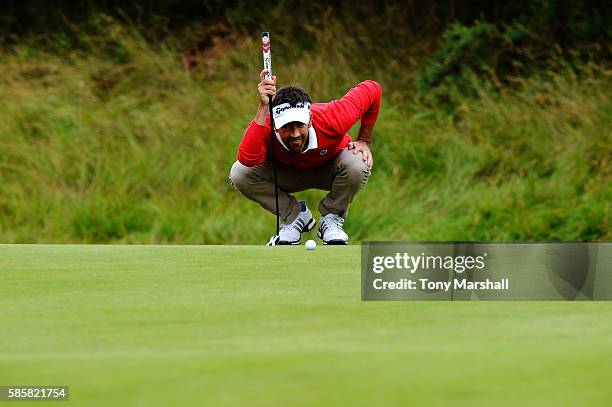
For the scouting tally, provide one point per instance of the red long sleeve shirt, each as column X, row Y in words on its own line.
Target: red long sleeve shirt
column 330, row 121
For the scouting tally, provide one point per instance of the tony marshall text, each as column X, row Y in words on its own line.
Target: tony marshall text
column 426, row 284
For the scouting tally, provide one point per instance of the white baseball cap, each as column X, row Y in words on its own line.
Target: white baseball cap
column 285, row 113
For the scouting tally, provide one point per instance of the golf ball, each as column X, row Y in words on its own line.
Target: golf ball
column 310, row 245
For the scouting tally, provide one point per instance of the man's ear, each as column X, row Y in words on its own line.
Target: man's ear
column 310, row 121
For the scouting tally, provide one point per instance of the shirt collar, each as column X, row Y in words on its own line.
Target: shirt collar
column 312, row 140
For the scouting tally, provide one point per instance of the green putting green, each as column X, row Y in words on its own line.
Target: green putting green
column 264, row 326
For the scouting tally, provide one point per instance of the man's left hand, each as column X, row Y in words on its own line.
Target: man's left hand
column 364, row 148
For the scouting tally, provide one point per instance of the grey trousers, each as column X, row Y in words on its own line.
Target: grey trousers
column 343, row 176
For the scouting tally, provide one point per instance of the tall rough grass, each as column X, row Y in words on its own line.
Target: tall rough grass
column 120, row 143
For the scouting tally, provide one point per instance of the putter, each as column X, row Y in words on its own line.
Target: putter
column 267, row 64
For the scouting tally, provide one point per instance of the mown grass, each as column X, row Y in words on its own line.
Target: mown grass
column 166, row 325
column 119, row 143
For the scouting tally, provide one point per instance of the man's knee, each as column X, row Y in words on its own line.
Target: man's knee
column 240, row 175
column 357, row 170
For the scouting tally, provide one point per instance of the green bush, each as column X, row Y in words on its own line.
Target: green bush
column 481, row 49
column 539, row 34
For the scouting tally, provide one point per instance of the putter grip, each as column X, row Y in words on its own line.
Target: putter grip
column 267, row 55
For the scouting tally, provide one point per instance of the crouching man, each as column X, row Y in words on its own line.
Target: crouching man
column 313, row 151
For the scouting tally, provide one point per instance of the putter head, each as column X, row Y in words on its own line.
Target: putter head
column 273, row 241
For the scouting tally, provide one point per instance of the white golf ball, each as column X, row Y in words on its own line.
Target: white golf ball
column 310, row 245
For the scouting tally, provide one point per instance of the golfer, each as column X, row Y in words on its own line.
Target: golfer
column 313, row 151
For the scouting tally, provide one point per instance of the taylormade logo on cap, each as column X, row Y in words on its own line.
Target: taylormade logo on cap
column 285, row 106
column 285, row 113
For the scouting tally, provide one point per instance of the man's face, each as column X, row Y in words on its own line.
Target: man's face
column 294, row 135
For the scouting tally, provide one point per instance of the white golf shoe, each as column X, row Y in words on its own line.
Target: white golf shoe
column 330, row 230
column 291, row 233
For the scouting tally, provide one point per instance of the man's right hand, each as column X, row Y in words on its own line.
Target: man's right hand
column 266, row 88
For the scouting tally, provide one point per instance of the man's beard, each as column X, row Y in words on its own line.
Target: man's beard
column 298, row 146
